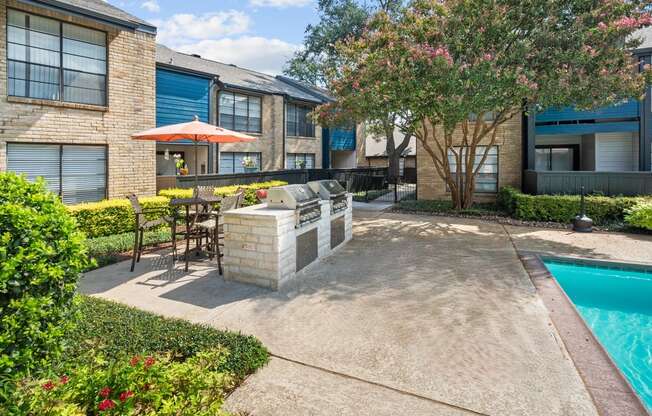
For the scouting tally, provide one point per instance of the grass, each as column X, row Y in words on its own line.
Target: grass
column 446, row 207
column 117, row 331
column 113, row 248
column 371, row 195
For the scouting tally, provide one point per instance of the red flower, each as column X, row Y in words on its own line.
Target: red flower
column 106, row 405
column 134, row 361
column 49, row 385
column 64, row 379
column 149, row 361
column 146, row 386
column 125, row 395
column 105, row 392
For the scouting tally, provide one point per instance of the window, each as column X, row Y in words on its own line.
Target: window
column 298, row 121
column 557, row 157
column 488, row 116
column 75, row 173
column 231, row 162
column 296, row 160
column 486, row 180
column 52, row 60
column 240, row 112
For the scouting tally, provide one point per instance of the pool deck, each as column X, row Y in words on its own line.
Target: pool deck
column 416, row 315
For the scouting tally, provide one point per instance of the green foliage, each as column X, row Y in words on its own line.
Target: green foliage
column 640, row 215
column 371, row 195
column 108, row 250
column 115, row 330
column 563, row 208
column 41, row 258
column 114, row 216
column 446, row 207
column 151, row 385
column 250, row 191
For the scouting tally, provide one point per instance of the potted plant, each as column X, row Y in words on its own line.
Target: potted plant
column 180, row 164
column 301, row 164
column 249, row 164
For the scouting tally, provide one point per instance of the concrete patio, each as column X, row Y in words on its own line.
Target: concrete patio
column 417, row 315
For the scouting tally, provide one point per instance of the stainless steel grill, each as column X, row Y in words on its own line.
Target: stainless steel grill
column 300, row 198
column 331, row 190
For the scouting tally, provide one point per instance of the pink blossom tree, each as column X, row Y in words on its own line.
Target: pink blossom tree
column 454, row 71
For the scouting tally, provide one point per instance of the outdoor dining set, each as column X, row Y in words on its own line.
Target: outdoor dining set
column 196, row 221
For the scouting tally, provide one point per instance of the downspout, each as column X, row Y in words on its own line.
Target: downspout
column 214, row 86
column 283, row 167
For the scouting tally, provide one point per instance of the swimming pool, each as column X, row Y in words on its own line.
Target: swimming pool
column 616, row 303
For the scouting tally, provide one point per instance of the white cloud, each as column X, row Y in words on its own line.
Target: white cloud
column 251, row 52
column 185, row 28
column 151, row 6
column 279, row 3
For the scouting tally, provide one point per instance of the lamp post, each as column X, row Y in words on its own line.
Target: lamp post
column 582, row 223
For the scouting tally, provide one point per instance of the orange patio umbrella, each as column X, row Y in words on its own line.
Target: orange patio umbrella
column 196, row 131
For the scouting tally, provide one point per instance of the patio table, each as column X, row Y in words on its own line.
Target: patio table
column 203, row 201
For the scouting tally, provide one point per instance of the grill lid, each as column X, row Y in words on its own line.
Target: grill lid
column 327, row 188
column 291, row 196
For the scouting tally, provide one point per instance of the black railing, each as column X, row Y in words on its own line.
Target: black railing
column 571, row 183
column 290, row 176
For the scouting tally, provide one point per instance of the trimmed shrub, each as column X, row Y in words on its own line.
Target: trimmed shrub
column 446, row 207
column 640, row 215
column 113, row 216
column 41, row 258
column 115, row 330
column 250, row 191
column 563, row 208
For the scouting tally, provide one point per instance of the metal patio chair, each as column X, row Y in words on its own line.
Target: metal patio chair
column 142, row 224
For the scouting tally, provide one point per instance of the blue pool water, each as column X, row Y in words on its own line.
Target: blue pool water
column 617, row 305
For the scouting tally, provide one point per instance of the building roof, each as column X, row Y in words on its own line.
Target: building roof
column 645, row 35
column 309, row 88
column 98, row 10
column 233, row 76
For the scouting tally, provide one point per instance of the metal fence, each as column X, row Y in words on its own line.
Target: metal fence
column 571, row 182
column 369, row 183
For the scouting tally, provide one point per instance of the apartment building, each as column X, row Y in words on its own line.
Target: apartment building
column 275, row 110
column 77, row 78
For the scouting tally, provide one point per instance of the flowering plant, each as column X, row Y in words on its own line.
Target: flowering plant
column 248, row 162
column 138, row 386
column 178, row 161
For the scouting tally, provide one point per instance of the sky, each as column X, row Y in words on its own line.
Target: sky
column 255, row 34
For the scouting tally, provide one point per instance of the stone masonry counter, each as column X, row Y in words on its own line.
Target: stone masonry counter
column 263, row 246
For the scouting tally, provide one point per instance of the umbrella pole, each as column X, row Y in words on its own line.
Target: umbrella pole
column 196, row 166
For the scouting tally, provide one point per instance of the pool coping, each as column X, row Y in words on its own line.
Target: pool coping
column 610, row 390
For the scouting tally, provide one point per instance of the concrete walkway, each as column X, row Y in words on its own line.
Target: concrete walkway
column 417, row 315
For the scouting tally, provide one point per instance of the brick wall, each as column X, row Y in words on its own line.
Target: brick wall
column 431, row 186
column 270, row 141
column 131, row 108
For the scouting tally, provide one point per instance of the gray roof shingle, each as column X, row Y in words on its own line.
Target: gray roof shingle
column 233, row 76
column 98, row 9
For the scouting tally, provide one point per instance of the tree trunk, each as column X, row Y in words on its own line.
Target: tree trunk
column 394, row 167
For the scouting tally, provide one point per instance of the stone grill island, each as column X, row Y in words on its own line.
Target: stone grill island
column 268, row 244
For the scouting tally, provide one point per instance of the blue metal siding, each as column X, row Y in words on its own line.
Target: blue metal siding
column 341, row 139
column 625, row 110
column 179, row 97
column 623, row 126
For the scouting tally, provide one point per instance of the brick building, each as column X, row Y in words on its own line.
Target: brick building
column 77, row 78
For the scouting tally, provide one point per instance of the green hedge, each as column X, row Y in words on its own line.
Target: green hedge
column 117, row 331
column 109, row 249
column 115, row 216
column 640, row 215
column 250, row 191
column 112, row 216
column 41, row 258
column 563, row 208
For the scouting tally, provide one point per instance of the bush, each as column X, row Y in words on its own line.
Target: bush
column 41, row 258
column 446, row 207
column 116, row 330
column 113, row 216
column 250, row 191
column 640, row 215
column 152, row 385
column 563, row 208
column 108, row 250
